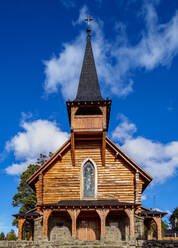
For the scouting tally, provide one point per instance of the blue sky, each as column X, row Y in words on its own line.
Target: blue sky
column 135, row 46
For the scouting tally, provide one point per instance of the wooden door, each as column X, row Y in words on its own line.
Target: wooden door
column 88, row 229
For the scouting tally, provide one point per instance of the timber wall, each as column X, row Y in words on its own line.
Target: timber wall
column 116, row 180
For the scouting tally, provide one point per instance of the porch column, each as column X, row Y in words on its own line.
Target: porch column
column 31, row 232
column 130, row 214
column 20, row 228
column 74, row 214
column 159, row 228
column 103, row 214
column 149, row 235
column 46, row 215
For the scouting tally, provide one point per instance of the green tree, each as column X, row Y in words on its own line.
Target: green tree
column 11, row 235
column 174, row 219
column 25, row 198
column 2, row 236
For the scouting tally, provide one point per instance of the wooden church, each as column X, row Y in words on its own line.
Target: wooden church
column 89, row 189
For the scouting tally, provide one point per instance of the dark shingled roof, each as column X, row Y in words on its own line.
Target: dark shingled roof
column 170, row 233
column 85, row 203
column 152, row 212
column 88, row 89
column 33, row 214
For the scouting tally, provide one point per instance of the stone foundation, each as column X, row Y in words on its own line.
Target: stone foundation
column 38, row 229
column 139, row 228
column 117, row 228
column 59, row 228
column 96, row 244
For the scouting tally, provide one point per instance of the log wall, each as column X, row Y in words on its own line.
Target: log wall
column 115, row 179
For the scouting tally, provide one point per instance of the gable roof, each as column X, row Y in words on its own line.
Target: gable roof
column 59, row 153
column 132, row 163
column 88, row 89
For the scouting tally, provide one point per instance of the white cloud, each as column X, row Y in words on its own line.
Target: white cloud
column 144, row 197
column 39, row 136
column 158, row 159
column 116, row 60
column 125, row 130
column 68, row 3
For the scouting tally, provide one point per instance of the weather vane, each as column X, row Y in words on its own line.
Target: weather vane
column 88, row 20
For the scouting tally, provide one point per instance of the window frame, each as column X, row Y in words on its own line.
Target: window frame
column 82, row 179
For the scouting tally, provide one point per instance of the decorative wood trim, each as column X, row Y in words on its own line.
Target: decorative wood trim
column 103, row 147
column 103, row 214
column 46, row 215
column 74, row 214
column 73, row 148
column 130, row 214
column 40, row 197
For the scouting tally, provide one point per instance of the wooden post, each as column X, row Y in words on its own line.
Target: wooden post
column 137, row 187
column 159, row 228
column 103, row 214
column 31, row 232
column 20, row 228
column 74, row 214
column 130, row 214
column 40, row 198
column 149, row 236
column 73, row 147
column 103, row 147
column 46, row 215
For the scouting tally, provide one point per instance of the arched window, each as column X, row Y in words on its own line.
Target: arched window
column 88, row 180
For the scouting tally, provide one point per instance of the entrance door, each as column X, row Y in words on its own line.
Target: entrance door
column 88, row 229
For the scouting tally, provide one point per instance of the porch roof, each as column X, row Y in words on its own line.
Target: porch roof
column 86, row 203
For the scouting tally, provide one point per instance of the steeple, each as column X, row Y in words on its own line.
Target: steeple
column 88, row 89
column 89, row 112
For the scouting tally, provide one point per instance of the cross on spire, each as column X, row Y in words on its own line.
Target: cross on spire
column 88, row 20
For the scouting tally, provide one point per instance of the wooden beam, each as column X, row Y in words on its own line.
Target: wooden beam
column 88, row 138
column 40, row 199
column 103, row 214
column 137, row 187
column 103, row 147
column 73, row 148
column 74, row 214
column 46, row 215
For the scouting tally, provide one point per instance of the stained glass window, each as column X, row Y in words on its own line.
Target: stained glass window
column 88, row 180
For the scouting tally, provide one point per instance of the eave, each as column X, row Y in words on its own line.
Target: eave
column 133, row 164
column 57, row 154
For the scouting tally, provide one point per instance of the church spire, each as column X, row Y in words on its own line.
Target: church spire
column 88, row 89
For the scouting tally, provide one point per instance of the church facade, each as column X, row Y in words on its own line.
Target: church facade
column 89, row 189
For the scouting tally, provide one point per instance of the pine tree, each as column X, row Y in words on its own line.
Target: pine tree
column 2, row 236
column 25, row 198
column 174, row 219
column 11, row 235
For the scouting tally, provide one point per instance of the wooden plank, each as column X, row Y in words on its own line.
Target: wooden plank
column 73, row 148
column 115, row 179
column 103, row 147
